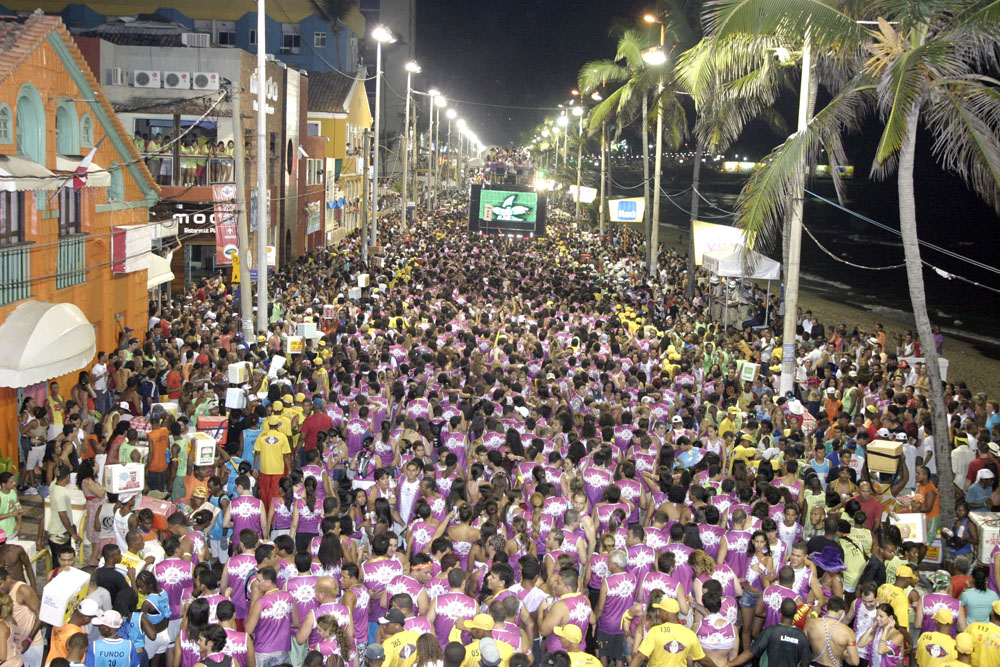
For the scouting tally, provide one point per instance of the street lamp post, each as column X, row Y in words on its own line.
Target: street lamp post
column 460, row 162
column 656, row 57
column 451, row 114
column 411, row 69
column 434, row 93
column 381, row 35
column 439, row 103
column 578, row 112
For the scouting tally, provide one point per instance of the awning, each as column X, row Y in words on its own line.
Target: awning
column 475, row 162
column 158, row 272
column 738, row 262
column 19, row 173
column 40, row 341
column 101, row 179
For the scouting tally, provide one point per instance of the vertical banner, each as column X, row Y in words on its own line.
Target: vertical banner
column 235, row 278
column 226, row 239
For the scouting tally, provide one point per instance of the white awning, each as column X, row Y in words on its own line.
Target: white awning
column 158, row 272
column 475, row 162
column 20, row 173
column 101, row 179
column 738, row 262
column 40, row 341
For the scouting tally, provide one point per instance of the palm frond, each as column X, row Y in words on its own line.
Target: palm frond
column 600, row 114
column 598, row 73
column 901, row 82
column 630, row 48
column 826, row 25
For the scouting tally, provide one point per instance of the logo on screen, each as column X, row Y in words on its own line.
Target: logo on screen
column 509, row 210
column 628, row 210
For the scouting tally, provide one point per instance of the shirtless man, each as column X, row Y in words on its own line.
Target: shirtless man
column 15, row 560
column 833, row 643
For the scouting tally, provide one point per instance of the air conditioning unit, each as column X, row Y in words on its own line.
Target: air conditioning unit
column 145, row 79
column 205, row 80
column 201, row 40
column 113, row 76
column 177, row 80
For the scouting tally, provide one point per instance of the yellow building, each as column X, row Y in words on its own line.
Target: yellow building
column 339, row 112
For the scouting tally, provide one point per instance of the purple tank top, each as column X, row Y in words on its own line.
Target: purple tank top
column 595, row 481
column 240, row 568
column 335, row 609
column 579, row 615
column 932, row 603
column 773, row 597
column 450, row 607
column 711, row 538
column 641, row 560
column 246, row 511
column 737, row 542
column 360, row 614
column 302, row 588
column 402, row 583
column 282, row 515
column 376, row 575
column 657, row 581
column 620, row 596
column 509, row 633
column 421, row 535
column 274, row 630
column 309, row 519
column 174, row 575
column 236, row 647
column 190, row 653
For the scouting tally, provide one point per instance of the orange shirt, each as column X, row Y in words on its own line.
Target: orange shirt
column 936, row 509
column 57, row 645
column 174, row 382
column 159, row 440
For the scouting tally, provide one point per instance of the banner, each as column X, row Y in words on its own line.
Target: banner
column 312, row 217
column 587, row 195
column 709, row 237
column 235, row 278
column 627, row 210
column 226, row 238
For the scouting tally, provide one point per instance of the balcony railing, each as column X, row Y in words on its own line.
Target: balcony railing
column 15, row 273
column 72, row 265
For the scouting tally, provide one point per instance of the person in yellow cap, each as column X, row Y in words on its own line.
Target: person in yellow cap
column 986, row 640
column 283, row 423
column 732, row 421
column 272, row 457
column 669, row 644
column 964, row 645
column 744, row 450
column 570, row 636
column 480, row 627
column 936, row 647
column 900, row 594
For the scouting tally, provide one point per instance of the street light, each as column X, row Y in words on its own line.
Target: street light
column 439, row 103
column 656, row 56
column 451, row 114
column 578, row 112
column 411, row 69
column 434, row 93
column 381, row 35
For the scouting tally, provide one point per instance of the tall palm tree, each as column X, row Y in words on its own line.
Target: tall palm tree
column 925, row 66
column 335, row 12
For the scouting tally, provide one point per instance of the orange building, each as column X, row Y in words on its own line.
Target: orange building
column 61, row 296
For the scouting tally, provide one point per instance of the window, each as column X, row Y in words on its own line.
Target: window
column 6, row 125
column 69, row 211
column 66, row 128
column 319, row 40
column 116, row 192
column 225, row 33
column 253, row 37
column 11, row 218
column 314, row 172
column 86, row 131
column 29, row 124
column 312, row 129
column 290, row 39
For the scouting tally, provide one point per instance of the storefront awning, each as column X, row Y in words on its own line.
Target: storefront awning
column 158, row 272
column 40, row 341
column 100, row 179
column 19, row 173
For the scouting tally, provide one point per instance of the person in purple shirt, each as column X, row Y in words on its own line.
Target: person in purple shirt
column 616, row 597
column 768, row 608
column 272, row 616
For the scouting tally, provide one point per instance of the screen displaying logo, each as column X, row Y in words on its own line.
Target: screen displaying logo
column 628, row 211
column 506, row 206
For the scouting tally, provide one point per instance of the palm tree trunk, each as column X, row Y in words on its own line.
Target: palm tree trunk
column 915, row 280
column 695, row 184
column 604, row 174
column 647, row 219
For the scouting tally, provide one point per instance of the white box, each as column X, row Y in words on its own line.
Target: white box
column 169, row 407
column 62, row 595
column 912, row 526
column 294, row 345
column 364, row 280
column 306, row 329
column 988, row 524
column 239, row 373
column 202, row 449
column 236, row 398
column 354, row 293
column 124, row 478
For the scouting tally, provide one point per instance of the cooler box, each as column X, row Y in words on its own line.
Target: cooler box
column 354, row 293
column 124, row 478
column 161, row 510
column 364, row 280
column 988, row 524
column 169, row 408
column 239, row 372
column 884, row 456
column 202, row 449
column 236, row 398
column 216, row 427
column 912, row 526
column 62, row 595
column 294, row 345
column 329, row 311
column 141, row 426
column 306, row 330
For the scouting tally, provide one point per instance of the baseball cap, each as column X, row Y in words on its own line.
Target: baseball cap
column 489, row 652
column 907, row 571
column 963, row 643
column 109, row 619
column 89, row 607
column 570, row 632
column 392, row 616
column 902, row 437
column 669, row 605
column 883, row 433
column 299, row 397
column 287, row 398
column 944, row 616
column 277, row 406
column 318, row 402
column 199, row 492
column 375, row 652
column 677, row 419
column 831, row 390
column 480, row 622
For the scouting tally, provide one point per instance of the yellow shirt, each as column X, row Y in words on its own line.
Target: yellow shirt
column 985, row 644
column 727, row 425
column 935, row 649
column 401, row 649
column 581, row 659
column 741, row 452
column 272, row 445
column 670, row 645
column 897, row 599
column 472, row 654
column 286, row 424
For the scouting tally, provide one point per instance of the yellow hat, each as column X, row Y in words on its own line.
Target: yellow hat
column 570, row 632
column 907, row 571
column 996, row 606
column 963, row 643
column 199, row 492
column 747, row 437
column 299, row 397
column 277, row 406
column 287, row 398
column 669, row 605
column 480, row 622
column 322, row 343
column 261, row 339
column 944, row 616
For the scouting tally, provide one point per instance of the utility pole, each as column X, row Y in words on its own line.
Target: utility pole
column 243, row 228
column 604, row 171
column 366, row 148
column 654, row 232
column 262, row 159
column 695, row 184
column 416, row 155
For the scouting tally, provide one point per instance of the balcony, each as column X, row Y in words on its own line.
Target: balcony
column 72, row 264
column 15, row 273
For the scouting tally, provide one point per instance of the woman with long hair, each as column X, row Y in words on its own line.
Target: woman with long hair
column 429, row 653
column 330, row 557
column 306, row 517
column 759, row 575
column 334, row 644
column 890, row 640
column 705, row 568
column 186, row 650
column 93, row 491
column 282, row 510
column 977, row 600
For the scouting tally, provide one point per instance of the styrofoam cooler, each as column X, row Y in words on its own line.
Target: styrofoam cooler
column 216, row 427
column 161, row 510
column 239, row 373
column 364, row 280
column 202, row 449
column 912, row 526
column 988, row 524
column 354, row 293
column 168, row 407
column 306, row 329
column 124, row 478
column 236, row 398
column 294, row 345
column 62, row 595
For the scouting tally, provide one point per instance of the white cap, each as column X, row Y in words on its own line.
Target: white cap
column 902, row 437
column 883, row 433
column 985, row 473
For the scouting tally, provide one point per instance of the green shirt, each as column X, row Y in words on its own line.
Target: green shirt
column 9, row 503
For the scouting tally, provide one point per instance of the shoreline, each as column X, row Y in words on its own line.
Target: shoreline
column 979, row 371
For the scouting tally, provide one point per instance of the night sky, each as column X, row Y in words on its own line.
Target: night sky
column 518, row 53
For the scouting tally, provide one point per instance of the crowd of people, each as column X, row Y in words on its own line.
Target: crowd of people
column 504, row 453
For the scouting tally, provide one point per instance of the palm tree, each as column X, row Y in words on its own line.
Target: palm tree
column 924, row 65
column 335, row 12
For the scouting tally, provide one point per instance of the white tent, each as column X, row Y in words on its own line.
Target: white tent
column 729, row 263
column 40, row 341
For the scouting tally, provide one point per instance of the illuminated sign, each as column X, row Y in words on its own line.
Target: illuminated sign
column 506, row 206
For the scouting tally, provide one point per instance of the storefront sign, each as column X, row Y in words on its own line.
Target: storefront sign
column 313, row 217
column 226, row 236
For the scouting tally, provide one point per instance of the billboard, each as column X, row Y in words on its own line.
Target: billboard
column 506, row 210
column 632, row 209
column 587, row 195
column 709, row 237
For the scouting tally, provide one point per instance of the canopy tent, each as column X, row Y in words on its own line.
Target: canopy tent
column 729, row 262
column 19, row 173
column 40, row 341
column 158, row 272
column 475, row 162
column 737, row 261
